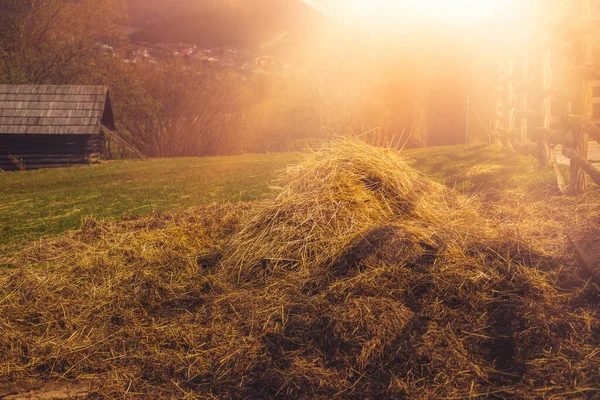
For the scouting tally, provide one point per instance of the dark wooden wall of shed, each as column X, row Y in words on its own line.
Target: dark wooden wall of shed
column 48, row 151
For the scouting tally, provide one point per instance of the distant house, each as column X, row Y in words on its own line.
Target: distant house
column 47, row 126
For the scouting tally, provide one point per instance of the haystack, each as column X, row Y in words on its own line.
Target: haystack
column 339, row 197
column 357, row 277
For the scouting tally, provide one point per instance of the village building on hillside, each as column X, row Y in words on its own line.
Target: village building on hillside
column 46, row 126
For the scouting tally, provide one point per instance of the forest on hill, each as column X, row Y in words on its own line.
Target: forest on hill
column 211, row 23
column 299, row 76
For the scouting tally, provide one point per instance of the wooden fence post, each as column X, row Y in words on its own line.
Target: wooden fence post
column 583, row 102
column 546, row 110
column 523, row 96
column 508, row 104
column 496, row 118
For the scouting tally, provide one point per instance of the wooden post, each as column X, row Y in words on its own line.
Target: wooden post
column 587, row 125
column 583, row 103
column 588, row 167
column 586, row 241
column 124, row 142
column 508, row 103
column 543, row 147
column 498, row 105
column 523, row 97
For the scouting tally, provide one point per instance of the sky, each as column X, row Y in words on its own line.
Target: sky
column 390, row 15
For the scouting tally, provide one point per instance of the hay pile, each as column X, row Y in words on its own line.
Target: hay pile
column 343, row 193
column 357, row 277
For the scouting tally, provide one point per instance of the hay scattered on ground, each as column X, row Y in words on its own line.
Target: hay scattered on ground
column 358, row 277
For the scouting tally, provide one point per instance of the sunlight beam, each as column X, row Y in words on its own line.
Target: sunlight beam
column 387, row 13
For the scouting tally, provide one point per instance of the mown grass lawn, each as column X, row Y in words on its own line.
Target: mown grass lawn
column 47, row 202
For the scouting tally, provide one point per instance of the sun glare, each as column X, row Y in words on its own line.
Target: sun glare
column 446, row 11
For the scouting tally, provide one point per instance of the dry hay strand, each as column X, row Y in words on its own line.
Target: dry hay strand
column 449, row 290
column 337, row 195
column 357, row 278
column 114, row 302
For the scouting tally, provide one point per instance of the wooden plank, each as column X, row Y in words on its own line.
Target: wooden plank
column 79, row 154
column 583, row 164
column 594, row 152
column 45, row 130
column 15, row 112
column 68, row 121
column 53, row 89
column 37, row 151
column 587, row 247
column 582, row 105
column 51, row 105
column 40, row 166
column 52, row 97
column 115, row 135
column 40, row 153
column 560, row 180
column 43, row 139
column 586, row 124
column 79, row 159
column 49, row 121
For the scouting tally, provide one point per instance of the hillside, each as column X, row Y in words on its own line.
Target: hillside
column 213, row 23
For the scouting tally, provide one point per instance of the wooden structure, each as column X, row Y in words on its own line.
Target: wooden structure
column 45, row 126
column 586, row 247
column 547, row 91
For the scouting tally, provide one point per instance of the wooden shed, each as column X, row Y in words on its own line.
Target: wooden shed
column 46, row 126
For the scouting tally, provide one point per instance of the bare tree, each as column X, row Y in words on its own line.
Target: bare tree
column 178, row 109
column 55, row 41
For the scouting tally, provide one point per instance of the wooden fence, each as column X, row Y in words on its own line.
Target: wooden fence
column 548, row 92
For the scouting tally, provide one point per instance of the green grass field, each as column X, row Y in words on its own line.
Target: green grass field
column 47, row 202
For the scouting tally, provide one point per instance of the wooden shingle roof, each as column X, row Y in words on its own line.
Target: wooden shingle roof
column 49, row 109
